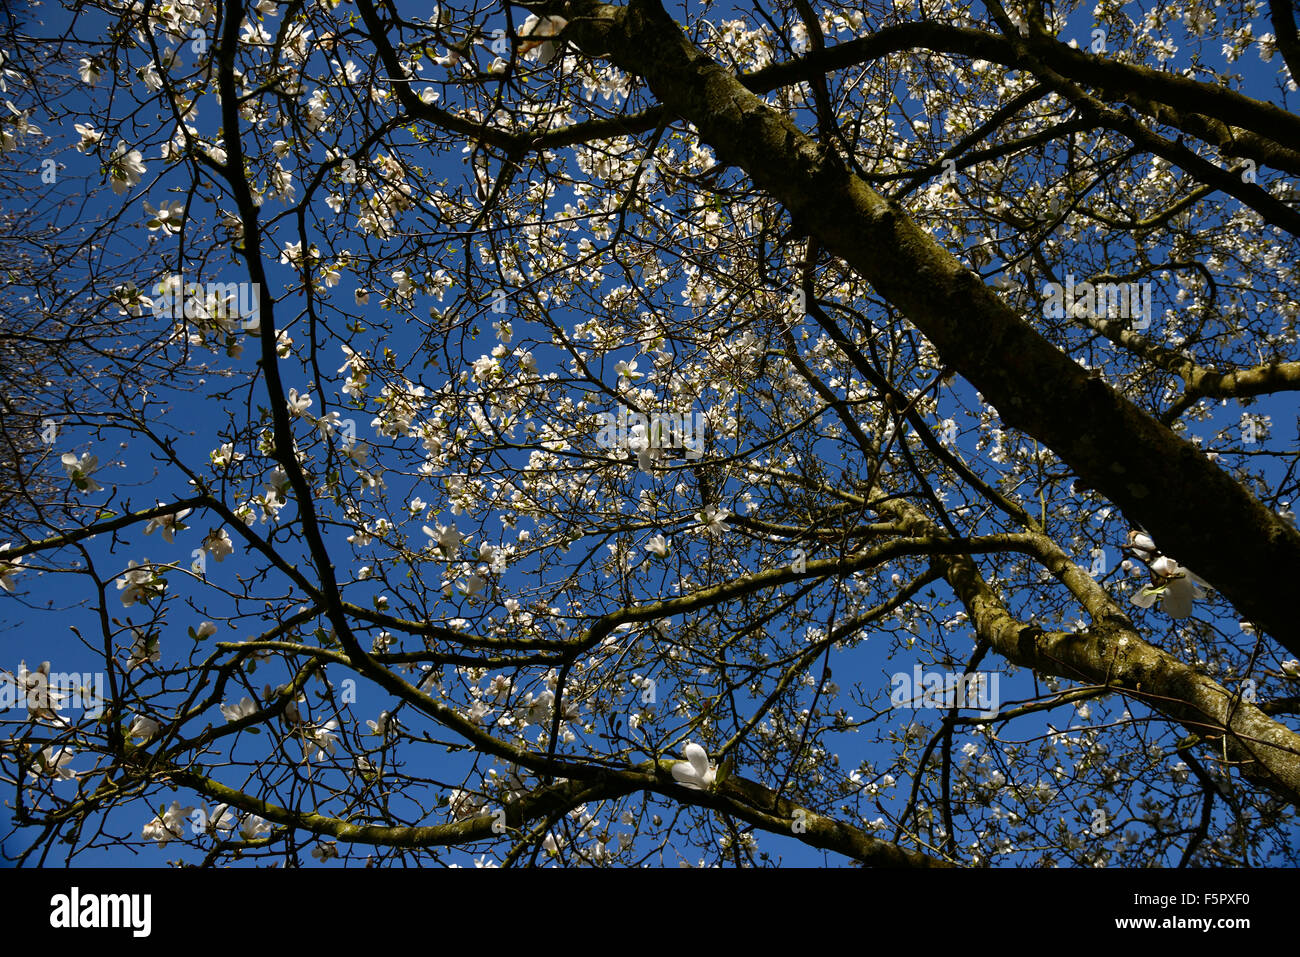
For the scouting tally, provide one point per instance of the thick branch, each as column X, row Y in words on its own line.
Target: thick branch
column 1155, row 477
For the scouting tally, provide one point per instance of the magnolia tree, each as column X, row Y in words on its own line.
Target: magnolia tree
column 586, row 434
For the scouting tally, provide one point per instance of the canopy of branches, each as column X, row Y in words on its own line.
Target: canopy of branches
column 603, row 435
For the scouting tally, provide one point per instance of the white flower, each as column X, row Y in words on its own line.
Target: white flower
column 1141, row 545
column 90, row 137
column 168, row 824
column 51, row 763
column 402, row 279
column 463, row 804
column 658, row 545
column 225, row 456
column 323, row 739
column 168, row 217
column 1176, row 588
column 254, row 827
column 8, row 569
column 125, row 167
column 170, row 524
column 486, row 368
column 447, row 537
column 299, row 404
column 381, row 726
column 695, row 772
column 282, row 183
column 221, row 821
column 535, row 27
column 235, row 712
column 324, row 850
column 89, row 71
column 205, row 630
column 450, row 60
column 219, row 545
column 1165, row 567
column 1291, row 668
column 713, row 519
column 145, row 649
column 80, row 470
column 142, row 728
column 41, row 701
column 150, row 77
column 538, row 710
column 254, row 34
column 137, row 583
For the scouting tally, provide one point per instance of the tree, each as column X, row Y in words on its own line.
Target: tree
column 581, row 434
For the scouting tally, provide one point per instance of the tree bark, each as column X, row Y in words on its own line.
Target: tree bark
column 1196, row 513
